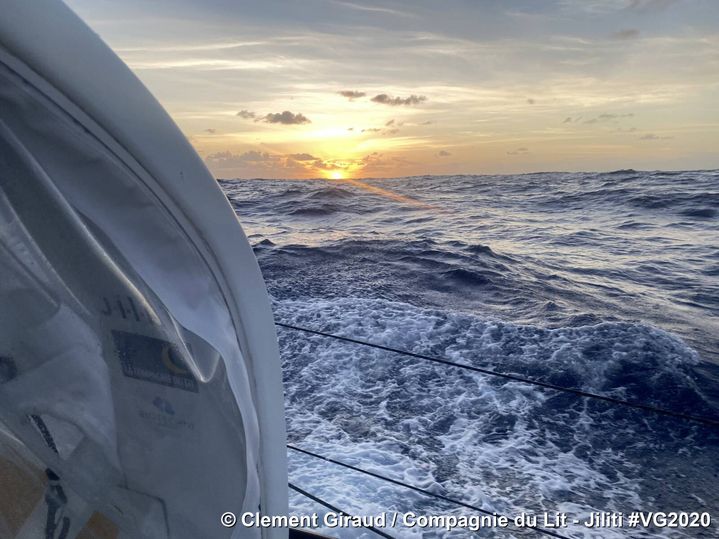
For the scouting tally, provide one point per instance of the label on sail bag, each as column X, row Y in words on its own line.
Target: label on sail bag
column 153, row 360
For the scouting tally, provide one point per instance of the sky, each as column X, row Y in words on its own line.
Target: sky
column 383, row 88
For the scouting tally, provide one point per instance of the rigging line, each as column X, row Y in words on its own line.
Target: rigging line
column 335, row 509
column 546, row 385
column 417, row 489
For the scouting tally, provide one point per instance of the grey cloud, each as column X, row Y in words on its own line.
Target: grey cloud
column 391, row 122
column 628, row 33
column 302, row 157
column 382, row 131
column 369, row 158
column 325, row 165
column 211, row 131
column 617, row 6
column 371, row 9
column 531, row 101
column 351, row 94
column 603, row 117
column 649, row 5
column 443, row 153
column 608, row 117
column 246, row 114
column 251, row 156
column 652, row 136
column 261, row 164
column 285, row 118
column 519, row 151
column 385, row 99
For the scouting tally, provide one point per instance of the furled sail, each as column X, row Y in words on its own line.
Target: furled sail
column 140, row 387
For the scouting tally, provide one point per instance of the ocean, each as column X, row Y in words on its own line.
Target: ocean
column 604, row 282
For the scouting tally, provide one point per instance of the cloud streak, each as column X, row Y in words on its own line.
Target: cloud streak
column 626, row 34
column 371, row 9
column 285, row 118
column 385, row 99
column 351, row 95
column 261, row 164
column 652, row 136
column 606, row 117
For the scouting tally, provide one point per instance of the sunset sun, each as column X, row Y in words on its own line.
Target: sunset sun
column 337, row 175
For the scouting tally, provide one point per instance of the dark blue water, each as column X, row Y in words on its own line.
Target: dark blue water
column 603, row 282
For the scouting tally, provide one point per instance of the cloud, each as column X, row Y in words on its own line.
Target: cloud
column 302, row 157
column 385, row 99
column 319, row 164
column 608, row 117
column 391, row 122
column 378, row 165
column 371, row 9
column 285, row 118
column 229, row 158
column 652, row 136
column 260, row 164
column 351, row 94
column 211, row 131
column 628, row 33
column 443, row 153
column 616, row 6
column 531, row 101
column 382, row 131
column 519, row 151
column 649, row 5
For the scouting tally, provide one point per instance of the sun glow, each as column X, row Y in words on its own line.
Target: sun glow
column 336, row 175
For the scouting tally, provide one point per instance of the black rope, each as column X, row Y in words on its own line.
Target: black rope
column 335, row 509
column 44, row 432
column 55, row 497
column 546, row 385
column 56, row 501
column 416, row 489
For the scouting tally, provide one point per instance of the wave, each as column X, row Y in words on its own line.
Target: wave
column 601, row 282
column 502, row 445
column 323, row 210
column 389, row 266
column 620, row 358
column 701, row 213
column 332, row 193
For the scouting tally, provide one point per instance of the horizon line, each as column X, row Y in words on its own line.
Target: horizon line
column 615, row 171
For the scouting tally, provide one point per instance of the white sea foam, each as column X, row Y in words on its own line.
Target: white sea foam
column 504, row 446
